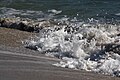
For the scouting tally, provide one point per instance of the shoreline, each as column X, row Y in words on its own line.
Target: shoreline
column 14, row 31
column 22, row 50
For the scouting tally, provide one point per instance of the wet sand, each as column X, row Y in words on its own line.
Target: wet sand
column 12, row 37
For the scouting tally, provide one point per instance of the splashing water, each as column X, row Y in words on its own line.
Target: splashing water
column 91, row 45
column 81, row 45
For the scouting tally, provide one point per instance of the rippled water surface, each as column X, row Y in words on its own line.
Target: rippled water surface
column 81, row 8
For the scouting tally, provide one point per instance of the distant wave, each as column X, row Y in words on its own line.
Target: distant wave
column 10, row 12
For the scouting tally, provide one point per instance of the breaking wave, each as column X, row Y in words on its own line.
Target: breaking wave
column 91, row 45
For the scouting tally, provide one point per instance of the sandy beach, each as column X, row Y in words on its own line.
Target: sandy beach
column 12, row 37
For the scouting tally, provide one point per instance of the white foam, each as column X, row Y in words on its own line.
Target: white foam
column 83, row 48
column 10, row 12
column 118, row 14
column 55, row 11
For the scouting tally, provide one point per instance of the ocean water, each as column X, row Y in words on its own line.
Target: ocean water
column 81, row 8
column 84, row 34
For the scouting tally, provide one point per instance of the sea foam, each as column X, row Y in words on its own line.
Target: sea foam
column 91, row 47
